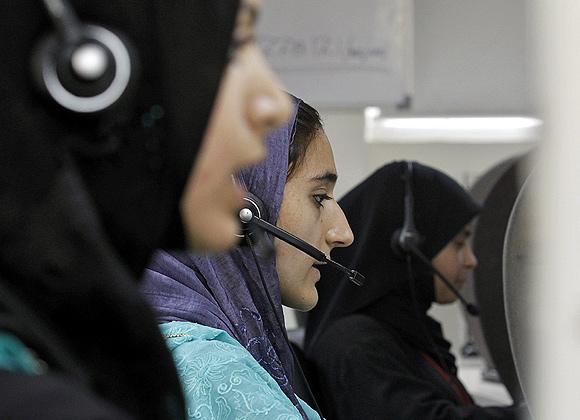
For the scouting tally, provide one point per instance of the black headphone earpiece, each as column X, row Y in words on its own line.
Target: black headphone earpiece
column 84, row 68
column 407, row 240
column 256, row 206
column 253, row 220
column 395, row 244
column 407, row 237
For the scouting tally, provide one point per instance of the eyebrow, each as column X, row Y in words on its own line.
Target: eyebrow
column 327, row 176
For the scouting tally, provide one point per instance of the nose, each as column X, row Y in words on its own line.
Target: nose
column 470, row 259
column 339, row 235
column 270, row 106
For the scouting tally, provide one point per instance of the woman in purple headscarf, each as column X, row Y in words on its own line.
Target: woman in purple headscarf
column 222, row 314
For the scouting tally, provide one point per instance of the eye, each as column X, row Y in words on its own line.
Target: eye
column 321, row 198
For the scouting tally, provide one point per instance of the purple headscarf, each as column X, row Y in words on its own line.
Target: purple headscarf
column 224, row 290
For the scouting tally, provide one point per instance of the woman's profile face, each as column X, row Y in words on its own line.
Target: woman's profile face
column 310, row 212
column 250, row 102
column 455, row 261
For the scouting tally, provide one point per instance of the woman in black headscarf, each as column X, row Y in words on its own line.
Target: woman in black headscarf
column 376, row 351
column 86, row 197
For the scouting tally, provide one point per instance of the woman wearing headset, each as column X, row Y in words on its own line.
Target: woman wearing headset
column 377, row 352
column 222, row 314
column 86, row 197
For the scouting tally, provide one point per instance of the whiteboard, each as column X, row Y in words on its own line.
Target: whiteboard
column 340, row 53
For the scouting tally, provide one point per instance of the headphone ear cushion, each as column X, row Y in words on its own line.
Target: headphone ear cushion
column 256, row 206
column 86, row 76
column 396, row 244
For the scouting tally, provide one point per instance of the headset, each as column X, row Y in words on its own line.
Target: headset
column 407, row 240
column 253, row 226
column 84, row 68
column 252, row 217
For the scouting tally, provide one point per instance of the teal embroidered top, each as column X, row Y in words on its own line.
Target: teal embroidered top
column 221, row 380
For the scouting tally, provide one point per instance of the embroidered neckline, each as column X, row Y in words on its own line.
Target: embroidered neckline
column 177, row 335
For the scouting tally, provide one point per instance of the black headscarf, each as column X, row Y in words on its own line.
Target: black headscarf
column 375, row 210
column 85, row 200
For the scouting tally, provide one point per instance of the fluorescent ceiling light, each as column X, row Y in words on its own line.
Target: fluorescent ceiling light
column 516, row 129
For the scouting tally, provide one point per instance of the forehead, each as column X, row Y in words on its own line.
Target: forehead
column 319, row 158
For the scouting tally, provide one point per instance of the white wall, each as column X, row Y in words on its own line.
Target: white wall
column 470, row 56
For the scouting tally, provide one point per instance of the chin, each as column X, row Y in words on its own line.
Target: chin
column 447, row 300
column 309, row 303
column 301, row 302
column 304, row 308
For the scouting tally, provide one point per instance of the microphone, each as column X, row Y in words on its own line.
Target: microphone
column 407, row 241
column 408, row 237
column 471, row 308
column 248, row 217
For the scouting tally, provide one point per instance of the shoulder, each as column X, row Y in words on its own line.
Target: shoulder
column 220, row 378
column 181, row 334
column 16, row 357
column 201, row 350
column 359, row 330
column 355, row 338
column 29, row 388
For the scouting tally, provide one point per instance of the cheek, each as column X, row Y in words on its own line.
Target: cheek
column 291, row 211
column 300, row 218
column 208, row 206
column 228, row 121
column 291, row 263
column 296, row 278
column 303, row 220
column 223, row 131
column 208, row 219
column 455, row 265
column 446, row 263
column 209, row 180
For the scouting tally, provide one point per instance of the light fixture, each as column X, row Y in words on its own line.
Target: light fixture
column 497, row 129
